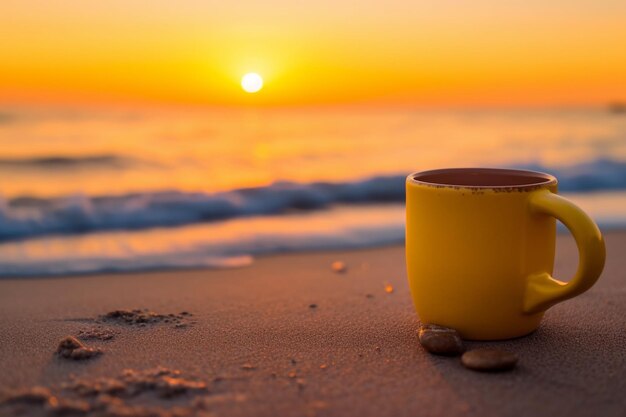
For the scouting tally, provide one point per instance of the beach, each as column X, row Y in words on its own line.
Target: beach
column 204, row 209
column 289, row 336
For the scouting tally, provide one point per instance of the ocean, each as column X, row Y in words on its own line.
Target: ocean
column 94, row 190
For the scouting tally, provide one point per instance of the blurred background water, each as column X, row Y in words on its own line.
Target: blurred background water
column 100, row 190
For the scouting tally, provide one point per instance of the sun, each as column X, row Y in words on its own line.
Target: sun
column 251, row 82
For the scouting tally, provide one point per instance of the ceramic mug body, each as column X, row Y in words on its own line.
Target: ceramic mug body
column 480, row 247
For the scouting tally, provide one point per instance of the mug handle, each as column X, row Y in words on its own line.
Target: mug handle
column 542, row 290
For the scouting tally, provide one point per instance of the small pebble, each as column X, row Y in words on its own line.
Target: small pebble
column 369, row 295
column 339, row 267
column 72, row 348
column 312, row 305
column 248, row 367
column 323, row 366
column 292, row 374
column 440, row 340
column 489, row 360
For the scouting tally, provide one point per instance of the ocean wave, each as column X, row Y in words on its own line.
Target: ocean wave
column 219, row 245
column 598, row 175
column 66, row 162
column 26, row 217
column 108, row 264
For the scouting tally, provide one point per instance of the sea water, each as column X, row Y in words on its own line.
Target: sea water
column 92, row 190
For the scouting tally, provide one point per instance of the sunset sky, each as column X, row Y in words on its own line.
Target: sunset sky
column 561, row 52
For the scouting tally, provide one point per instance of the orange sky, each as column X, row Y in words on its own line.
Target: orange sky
column 444, row 52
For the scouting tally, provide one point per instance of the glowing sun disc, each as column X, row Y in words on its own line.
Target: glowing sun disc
column 251, row 82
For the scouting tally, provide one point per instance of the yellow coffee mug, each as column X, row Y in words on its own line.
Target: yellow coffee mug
column 480, row 246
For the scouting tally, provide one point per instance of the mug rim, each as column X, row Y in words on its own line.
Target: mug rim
column 547, row 179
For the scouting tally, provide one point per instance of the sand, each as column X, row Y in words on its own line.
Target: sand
column 289, row 336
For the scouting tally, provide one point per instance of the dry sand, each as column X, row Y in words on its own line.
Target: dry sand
column 256, row 346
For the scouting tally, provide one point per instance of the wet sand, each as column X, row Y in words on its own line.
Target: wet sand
column 289, row 336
